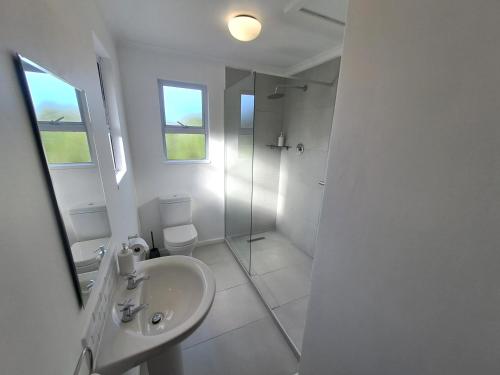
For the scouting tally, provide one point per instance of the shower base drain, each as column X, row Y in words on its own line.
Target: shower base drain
column 157, row 317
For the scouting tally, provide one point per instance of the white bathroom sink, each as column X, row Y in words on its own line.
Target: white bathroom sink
column 180, row 288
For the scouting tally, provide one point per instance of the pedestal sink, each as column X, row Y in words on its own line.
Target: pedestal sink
column 179, row 293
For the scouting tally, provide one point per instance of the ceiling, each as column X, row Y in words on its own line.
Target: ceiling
column 291, row 39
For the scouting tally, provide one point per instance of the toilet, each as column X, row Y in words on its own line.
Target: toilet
column 87, row 255
column 179, row 234
column 92, row 231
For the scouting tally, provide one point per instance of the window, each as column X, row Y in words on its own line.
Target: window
column 184, row 120
column 106, row 112
column 109, row 99
column 247, row 108
column 245, row 136
column 60, row 116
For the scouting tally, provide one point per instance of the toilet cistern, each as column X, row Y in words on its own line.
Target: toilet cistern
column 179, row 234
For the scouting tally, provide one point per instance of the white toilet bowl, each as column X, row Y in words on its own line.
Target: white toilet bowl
column 180, row 240
column 87, row 255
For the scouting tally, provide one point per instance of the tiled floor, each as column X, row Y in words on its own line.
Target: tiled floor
column 282, row 273
column 238, row 336
column 242, row 248
column 292, row 316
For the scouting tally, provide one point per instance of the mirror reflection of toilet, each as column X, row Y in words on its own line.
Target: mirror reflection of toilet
column 179, row 234
column 92, row 230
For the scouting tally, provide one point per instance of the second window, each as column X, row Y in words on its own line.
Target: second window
column 184, row 120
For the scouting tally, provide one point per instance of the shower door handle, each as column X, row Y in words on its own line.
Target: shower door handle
column 322, row 183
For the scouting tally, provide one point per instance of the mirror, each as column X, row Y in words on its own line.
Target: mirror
column 63, row 133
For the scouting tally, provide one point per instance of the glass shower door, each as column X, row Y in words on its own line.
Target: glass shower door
column 274, row 191
column 238, row 133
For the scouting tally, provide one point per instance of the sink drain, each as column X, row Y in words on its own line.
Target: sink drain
column 157, row 317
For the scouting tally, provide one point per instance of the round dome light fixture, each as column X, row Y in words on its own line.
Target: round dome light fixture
column 244, row 27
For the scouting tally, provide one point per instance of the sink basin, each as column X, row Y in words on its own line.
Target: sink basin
column 179, row 292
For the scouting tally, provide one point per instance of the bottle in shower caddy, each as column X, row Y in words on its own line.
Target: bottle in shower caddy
column 281, row 140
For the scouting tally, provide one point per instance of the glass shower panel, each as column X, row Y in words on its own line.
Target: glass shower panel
column 238, row 131
column 268, row 123
column 288, row 189
column 274, row 192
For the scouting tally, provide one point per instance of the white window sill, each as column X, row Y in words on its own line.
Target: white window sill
column 207, row 161
column 72, row 166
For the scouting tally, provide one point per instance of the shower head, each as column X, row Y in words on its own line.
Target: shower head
column 278, row 95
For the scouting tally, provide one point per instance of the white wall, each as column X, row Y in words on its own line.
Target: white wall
column 40, row 322
column 406, row 277
column 307, row 119
column 141, row 67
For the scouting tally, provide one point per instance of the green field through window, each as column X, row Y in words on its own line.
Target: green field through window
column 185, row 146
column 66, row 147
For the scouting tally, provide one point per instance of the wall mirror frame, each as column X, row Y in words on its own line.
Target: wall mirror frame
column 62, row 129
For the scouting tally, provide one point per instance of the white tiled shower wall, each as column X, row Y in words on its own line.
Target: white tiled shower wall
column 307, row 119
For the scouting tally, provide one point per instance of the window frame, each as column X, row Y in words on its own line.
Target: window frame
column 113, row 120
column 100, row 68
column 72, row 126
column 173, row 129
column 242, row 130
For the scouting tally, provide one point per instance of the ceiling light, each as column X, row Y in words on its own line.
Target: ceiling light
column 244, row 28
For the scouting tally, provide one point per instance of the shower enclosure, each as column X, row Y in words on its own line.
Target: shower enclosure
column 274, row 193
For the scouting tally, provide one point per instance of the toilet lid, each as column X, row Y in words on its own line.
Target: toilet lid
column 86, row 252
column 180, row 235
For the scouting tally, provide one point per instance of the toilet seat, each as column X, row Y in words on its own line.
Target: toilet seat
column 180, row 236
column 86, row 255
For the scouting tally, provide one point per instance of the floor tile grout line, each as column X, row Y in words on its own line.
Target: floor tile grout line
column 232, row 287
column 291, row 301
column 230, row 260
column 218, row 262
column 286, row 242
column 268, row 291
column 225, row 333
column 282, row 268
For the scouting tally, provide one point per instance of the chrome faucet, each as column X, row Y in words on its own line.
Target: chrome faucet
column 133, row 281
column 128, row 310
